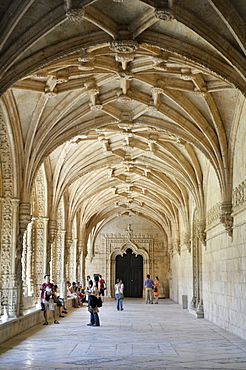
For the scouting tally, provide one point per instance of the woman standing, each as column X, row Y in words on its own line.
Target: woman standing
column 92, row 307
column 119, row 294
column 156, row 289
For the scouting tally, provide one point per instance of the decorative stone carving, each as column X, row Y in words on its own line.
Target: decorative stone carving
column 239, row 196
column 213, row 214
column 84, row 56
column 225, row 216
column 165, row 14
column 187, row 241
column 75, row 14
column 124, row 46
column 201, row 231
column 6, row 161
column 124, row 59
column 177, row 247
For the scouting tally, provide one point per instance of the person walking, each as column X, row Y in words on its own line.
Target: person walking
column 46, row 299
column 149, row 285
column 156, row 289
column 119, row 294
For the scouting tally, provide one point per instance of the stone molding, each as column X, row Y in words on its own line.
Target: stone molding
column 239, row 197
column 213, row 215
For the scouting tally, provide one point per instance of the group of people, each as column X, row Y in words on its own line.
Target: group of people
column 93, row 294
column 48, row 296
column 152, row 287
column 77, row 293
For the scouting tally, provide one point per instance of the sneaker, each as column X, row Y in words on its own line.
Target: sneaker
column 56, row 322
column 90, row 324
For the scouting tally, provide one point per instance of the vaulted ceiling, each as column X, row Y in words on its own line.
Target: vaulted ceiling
column 125, row 101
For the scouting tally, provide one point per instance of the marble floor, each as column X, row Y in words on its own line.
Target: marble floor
column 142, row 336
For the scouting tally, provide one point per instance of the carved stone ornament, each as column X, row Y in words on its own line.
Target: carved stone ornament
column 225, row 216
column 187, row 242
column 202, row 236
column 164, row 14
column 124, row 58
column 124, row 46
column 75, row 15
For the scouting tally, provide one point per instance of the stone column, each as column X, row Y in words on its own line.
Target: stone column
column 81, row 251
column 52, row 233
column 29, row 277
column 24, row 219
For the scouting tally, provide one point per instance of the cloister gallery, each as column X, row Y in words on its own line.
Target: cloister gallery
column 122, row 151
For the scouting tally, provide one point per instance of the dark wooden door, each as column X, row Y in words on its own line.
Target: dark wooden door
column 129, row 268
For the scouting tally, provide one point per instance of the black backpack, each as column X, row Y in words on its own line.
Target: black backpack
column 99, row 302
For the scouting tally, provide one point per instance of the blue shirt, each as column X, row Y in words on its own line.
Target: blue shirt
column 148, row 283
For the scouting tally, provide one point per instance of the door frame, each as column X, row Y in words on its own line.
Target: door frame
column 122, row 250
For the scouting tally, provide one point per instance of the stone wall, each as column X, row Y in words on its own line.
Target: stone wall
column 143, row 238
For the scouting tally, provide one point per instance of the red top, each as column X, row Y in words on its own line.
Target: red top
column 43, row 288
column 101, row 282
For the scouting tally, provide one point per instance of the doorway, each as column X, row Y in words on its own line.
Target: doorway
column 130, row 269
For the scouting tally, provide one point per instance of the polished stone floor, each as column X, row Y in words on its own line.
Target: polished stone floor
column 142, row 336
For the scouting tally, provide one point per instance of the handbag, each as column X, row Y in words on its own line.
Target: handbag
column 121, row 295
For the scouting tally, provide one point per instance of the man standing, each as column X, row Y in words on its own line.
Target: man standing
column 102, row 287
column 149, row 284
column 46, row 299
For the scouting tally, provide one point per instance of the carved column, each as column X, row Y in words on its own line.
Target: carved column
column 9, row 222
column 24, row 265
column 52, row 233
column 29, row 257
column 24, row 219
column 82, row 253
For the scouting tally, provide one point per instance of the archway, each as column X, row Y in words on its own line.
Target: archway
column 129, row 268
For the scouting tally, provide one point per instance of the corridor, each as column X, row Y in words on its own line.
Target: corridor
column 162, row 336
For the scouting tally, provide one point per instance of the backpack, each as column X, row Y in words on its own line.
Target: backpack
column 99, row 302
column 48, row 294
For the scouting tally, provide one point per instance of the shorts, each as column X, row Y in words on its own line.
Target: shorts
column 47, row 305
column 101, row 292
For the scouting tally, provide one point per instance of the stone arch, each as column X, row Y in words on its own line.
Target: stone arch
column 121, row 250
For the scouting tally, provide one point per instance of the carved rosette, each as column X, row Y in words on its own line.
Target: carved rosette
column 225, row 216
column 164, row 14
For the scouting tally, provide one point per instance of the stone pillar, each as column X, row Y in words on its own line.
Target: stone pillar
column 29, row 275
column 82, row 253
column 24, row 219
column 52, row 233
column 9, row 223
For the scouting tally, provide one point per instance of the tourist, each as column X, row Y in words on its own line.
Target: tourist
column 119, row 294
column 149, row 285
column 156, row 289
column 46, row 299
column 102, row 287
column 92, row 307
column 59, row 302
